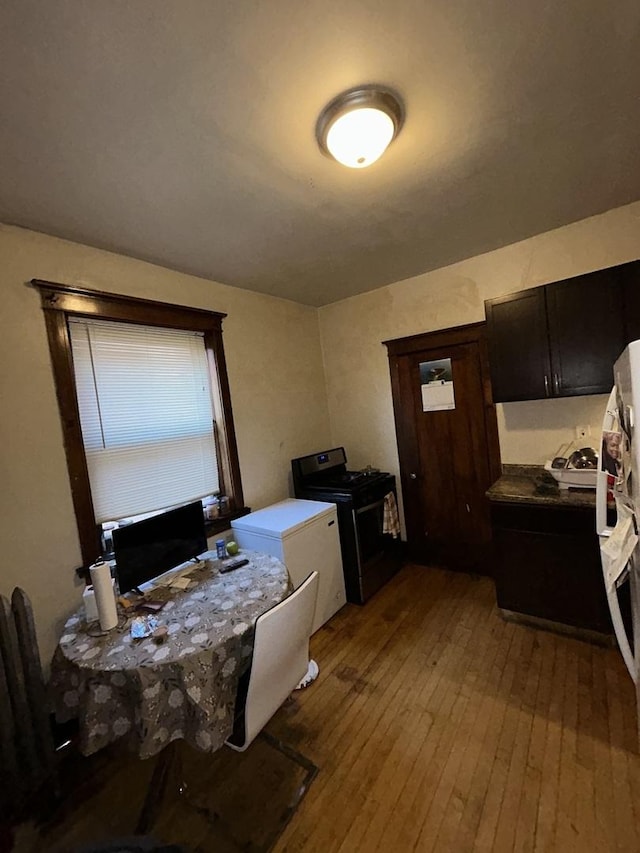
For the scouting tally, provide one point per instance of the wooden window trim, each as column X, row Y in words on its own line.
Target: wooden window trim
column 59, row 302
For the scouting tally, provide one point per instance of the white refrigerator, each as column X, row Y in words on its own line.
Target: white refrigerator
column 618, row 506
column 304, row 536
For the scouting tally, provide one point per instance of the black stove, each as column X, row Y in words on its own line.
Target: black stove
column 369, row 555
column 327, row 471
column 348, row 479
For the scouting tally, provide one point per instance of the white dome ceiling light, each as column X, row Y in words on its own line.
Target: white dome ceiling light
column 356, row 127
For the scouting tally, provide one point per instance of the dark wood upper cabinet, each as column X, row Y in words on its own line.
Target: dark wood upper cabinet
column 630, row 274
column 562, row 339
column 519, row 346
column 586, row 332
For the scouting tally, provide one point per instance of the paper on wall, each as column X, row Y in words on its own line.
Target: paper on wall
column 437, row 397
column 436, row 385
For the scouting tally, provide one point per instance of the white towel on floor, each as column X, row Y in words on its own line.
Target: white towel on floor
column 391, row 522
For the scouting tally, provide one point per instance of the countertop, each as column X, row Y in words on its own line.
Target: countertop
column 531, row 484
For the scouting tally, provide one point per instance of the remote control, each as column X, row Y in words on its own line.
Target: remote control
column 234, row 564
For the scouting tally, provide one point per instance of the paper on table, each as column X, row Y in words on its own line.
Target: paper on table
column 618, row 548
column 176, row 579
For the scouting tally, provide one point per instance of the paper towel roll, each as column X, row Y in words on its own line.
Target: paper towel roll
column 105, row 599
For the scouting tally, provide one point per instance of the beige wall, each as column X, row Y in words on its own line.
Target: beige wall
column 277, row 384
column 283, row 397
column 356, row 363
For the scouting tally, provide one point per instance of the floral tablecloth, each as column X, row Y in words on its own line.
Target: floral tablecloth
column 152, row 694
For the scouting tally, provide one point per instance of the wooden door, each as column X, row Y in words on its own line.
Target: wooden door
column 448, row 457
column 519, row 346
column 586, row 332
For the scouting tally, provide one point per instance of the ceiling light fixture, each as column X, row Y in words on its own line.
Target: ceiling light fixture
column 356, row 127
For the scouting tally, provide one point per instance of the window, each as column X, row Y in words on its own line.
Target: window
column 145, row 406
column 146, row 416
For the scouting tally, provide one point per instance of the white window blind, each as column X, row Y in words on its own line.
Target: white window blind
column 147, row 421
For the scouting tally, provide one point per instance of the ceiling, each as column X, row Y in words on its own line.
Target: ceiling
column 183, row 132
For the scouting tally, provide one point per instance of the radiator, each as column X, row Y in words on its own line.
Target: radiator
column 26, row 744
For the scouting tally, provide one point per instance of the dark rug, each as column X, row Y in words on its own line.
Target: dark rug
column 225, row 802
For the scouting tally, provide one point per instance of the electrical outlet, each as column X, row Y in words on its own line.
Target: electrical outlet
column 583, row 432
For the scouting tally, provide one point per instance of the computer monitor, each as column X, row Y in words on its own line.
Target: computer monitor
column 145, row 549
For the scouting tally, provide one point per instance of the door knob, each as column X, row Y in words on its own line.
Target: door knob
column 413, row 476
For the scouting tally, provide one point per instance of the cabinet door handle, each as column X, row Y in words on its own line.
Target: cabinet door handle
column 556, row 383
column 413, row 476
column 546, row 385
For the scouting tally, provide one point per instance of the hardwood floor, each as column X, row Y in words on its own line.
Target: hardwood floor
column 436, row 726
column 439, row 727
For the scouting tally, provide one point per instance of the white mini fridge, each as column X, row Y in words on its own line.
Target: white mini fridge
column 304, row 536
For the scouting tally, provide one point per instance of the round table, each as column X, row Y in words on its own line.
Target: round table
column 152, row 694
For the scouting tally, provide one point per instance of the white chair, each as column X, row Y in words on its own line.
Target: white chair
column 280, row 661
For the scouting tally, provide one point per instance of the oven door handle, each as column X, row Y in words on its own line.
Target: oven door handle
column 366, row 508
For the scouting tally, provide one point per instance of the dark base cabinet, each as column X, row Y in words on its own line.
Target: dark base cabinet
column 547, row 565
